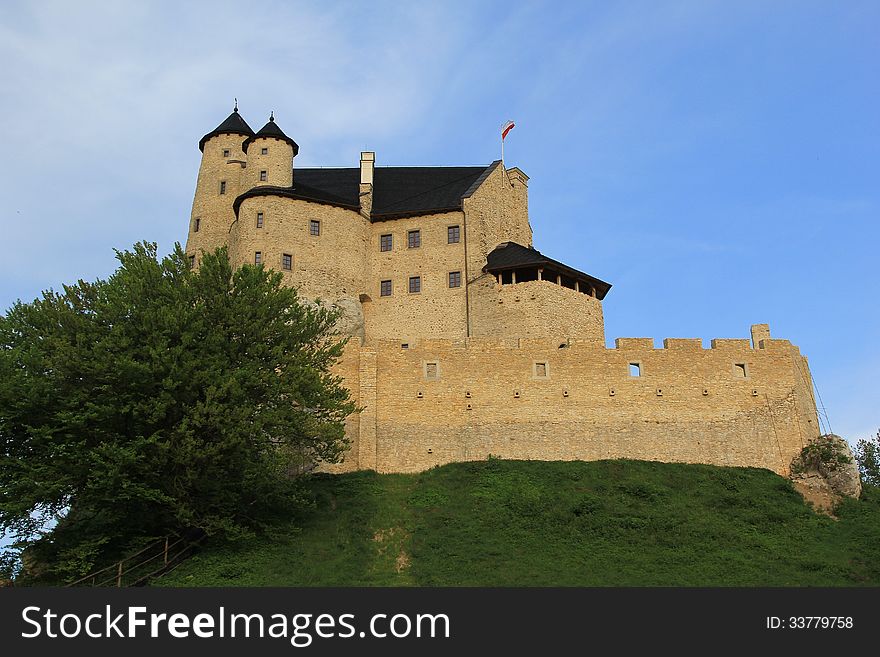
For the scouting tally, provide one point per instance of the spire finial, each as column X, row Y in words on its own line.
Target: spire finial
column 272, row 116
column 236, row 105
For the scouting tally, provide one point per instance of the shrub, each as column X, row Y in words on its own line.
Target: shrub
column 867, row 455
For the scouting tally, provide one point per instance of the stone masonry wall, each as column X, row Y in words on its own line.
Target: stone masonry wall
column 496, row 212
column 329, row 266
column 437, row 310
column 277, row 163
column 531, row 399
column 213, row 209
column 533, row 309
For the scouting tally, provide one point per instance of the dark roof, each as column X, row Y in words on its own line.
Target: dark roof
column 397, row 191
column 271, row 131
column 401, row 191
column 233, row 125
column 510, row 255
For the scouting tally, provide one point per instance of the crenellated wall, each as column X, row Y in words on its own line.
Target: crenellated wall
column 536, row 399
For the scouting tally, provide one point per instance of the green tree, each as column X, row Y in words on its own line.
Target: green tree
column 162, row 399
column 867, row 455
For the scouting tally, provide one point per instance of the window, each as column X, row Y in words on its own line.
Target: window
column 432, row 371
column 540, row 370
column 635, row 369
column 196, row 225
column 455, row 279
column 415, row 239
column 286, row 261
column 385, row 289
column 222, row 186
column 314, row 227
column 225, row 152
column 259, row 219
column 415, row 284
column 264, row 151
column 258, row 257
column 385, row 242
column 192, row 262
column 453, row 235
column 739, row 370
column 264, row 176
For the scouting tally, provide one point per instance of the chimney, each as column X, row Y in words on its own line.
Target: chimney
column 368, row 162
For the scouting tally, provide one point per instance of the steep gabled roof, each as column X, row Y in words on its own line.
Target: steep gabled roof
column 402, row 191
column 397, row 191
column 510, row 255
column 271, row 131
column 233, row 125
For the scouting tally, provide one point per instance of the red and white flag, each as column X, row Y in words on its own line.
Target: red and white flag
column 507, row 127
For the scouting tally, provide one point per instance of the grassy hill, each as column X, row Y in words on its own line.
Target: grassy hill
column 507, row 523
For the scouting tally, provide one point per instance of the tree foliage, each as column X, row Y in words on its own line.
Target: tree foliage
column 867, row 454
column 161, row 399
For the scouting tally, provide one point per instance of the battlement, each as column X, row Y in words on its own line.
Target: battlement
column 678, row 345
column 430, row 401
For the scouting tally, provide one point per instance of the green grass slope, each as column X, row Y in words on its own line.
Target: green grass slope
column 533, row 523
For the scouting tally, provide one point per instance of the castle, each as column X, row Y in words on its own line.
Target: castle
column 466, row 341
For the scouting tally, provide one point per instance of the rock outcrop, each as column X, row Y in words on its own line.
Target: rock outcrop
column 826, row 471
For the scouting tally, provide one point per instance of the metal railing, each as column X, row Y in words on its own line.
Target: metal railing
column 157, row 558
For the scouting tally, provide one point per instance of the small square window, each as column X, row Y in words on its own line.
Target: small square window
column 432, row 371
column 225, row 152
column 540, row 370
column 314, row 227
column 197, row 223
column 258, row 257
column 415, row 284
column 222, row 186
column 286, row 261
column 635, row 369
column 192, row 262
column 264, row 176
column 259, row 219
column 453, row 234
column 264, row 151
column 739, row 370
column 414, row 239
column 385, row 289
column 385, row 242
column 455, row 279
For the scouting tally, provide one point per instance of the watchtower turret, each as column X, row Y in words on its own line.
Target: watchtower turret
column 221, row 178
column 270, row 156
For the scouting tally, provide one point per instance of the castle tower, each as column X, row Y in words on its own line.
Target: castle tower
column 221, row 178
column 270, row 156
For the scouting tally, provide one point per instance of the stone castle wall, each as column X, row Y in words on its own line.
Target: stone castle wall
column 534, row 309
column 212, row 209
column 328, row 266
column 531, row 399
column 437, row 309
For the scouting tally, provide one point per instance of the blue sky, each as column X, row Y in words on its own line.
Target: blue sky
column 718, row 162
